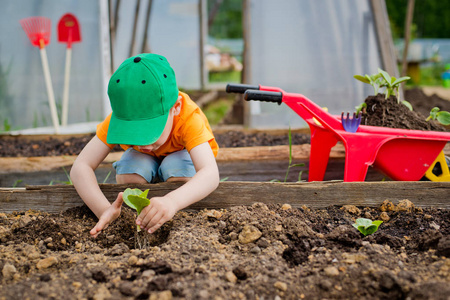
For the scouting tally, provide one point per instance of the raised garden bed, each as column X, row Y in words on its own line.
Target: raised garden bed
column 270, row 251
column 247, row 240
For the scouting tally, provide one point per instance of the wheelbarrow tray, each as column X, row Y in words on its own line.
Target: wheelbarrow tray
column 401, row 154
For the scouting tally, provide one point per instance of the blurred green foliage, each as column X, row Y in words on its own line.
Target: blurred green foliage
column 431, row 18
column 227, row 22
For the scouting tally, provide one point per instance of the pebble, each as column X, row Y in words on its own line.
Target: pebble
column 132, row 260
column 405, row 205
column 33, row 255
column 63, row 241
column 255, row 250
column 387, row 206
column 102, row 293
column 48, row 240
column 47, row 262
column 282, row 286
column 351, row 209
column 384, row 216
column 8, row 271
column 286, row 206
column 331, row 271
column 230, row 277
column 249, row 234
column 164, row 295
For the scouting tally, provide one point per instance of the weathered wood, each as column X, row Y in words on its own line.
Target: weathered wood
column 311, row 194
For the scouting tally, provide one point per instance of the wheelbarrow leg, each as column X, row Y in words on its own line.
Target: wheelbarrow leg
column 321, row 143
column 357, row 163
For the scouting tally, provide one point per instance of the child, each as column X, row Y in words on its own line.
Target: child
column 166, row 137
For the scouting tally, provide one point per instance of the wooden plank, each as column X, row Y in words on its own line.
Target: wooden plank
column 262, row 153
column 384, row 36
column 311, row 194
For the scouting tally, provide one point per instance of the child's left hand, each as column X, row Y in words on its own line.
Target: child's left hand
column 160, row 210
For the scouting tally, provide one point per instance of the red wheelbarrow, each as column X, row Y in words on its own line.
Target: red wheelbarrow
column 401, row 154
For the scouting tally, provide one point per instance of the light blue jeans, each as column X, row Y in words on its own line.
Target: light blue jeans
column 177, row 164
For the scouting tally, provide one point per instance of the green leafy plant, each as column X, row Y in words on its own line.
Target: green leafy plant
column 390, row 83
column 137, row 199
column 367, row 226
column 442, row 117
column 291, row 165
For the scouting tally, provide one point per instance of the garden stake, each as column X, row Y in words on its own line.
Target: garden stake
column 38, row 30
column 68, row 32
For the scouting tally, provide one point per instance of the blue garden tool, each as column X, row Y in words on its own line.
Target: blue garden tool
column 351, row 124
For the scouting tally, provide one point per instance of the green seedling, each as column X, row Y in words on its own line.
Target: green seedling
column 291, row 165
column 366, row 226
column 137, row 199
column 374, row 80
column 383, row 79
column 442, row 117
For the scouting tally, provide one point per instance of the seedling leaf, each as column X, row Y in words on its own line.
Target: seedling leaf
column 364, row 79
column 366, row 226
column 136, row 199
column 407, row 104
column 443, row 117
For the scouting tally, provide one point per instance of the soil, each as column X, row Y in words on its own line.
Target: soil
column 390, row 113
column 245, row 252
column 49, row 146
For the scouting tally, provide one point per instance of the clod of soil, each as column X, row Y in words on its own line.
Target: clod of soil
column 390, row 113
column 245, row 252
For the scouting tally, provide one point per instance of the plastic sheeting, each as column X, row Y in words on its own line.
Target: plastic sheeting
column 23, row 96
column 174, row 32
column 313, row 48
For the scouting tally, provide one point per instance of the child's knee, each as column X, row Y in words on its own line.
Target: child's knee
column 177, row 165
column 134, row 165
column 130, row 178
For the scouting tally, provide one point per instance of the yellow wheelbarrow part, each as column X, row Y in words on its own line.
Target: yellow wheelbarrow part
column 445, row 176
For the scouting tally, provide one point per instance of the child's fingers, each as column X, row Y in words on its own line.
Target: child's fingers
column 144, row 218
column 158, row 221
column 119, row 200
column 101, row 224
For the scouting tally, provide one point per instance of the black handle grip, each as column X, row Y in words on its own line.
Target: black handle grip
column 276, row 97
column 240, row 88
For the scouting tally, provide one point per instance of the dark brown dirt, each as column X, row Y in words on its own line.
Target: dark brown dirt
column 295, row 254
column 20, row 147
column 389, row 113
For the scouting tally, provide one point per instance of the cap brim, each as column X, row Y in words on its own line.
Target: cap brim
column 135, row 132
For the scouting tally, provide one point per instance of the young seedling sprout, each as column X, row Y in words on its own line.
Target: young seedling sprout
column 383, row 79
column 137, row 199
column 442, row 117
column 366, row 226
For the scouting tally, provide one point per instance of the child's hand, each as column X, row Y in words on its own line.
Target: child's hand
column 108, row 216
column 160, row 210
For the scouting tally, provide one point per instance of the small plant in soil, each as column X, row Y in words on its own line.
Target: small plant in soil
column 367, row 226
column 383, row 79
column 442, row 117
column 137, row 199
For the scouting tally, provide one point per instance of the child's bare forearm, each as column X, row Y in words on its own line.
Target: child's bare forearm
column 85, row 182
column 204, row 182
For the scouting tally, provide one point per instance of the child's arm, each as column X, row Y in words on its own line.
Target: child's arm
column 85, row 182
column 205, row 181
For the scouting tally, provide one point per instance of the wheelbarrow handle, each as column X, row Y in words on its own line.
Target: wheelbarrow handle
column 240, row 88
column 276, row 97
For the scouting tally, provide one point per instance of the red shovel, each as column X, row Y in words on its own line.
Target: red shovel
column 38, row 31
column 68, row 32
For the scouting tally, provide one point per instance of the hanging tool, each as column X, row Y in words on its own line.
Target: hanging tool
column 38, row 30
column 68, row 32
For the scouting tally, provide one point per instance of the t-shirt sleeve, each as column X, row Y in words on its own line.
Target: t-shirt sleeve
column 102, row 131
column 195, row 132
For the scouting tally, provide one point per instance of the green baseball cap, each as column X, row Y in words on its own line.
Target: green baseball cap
column 141, row 91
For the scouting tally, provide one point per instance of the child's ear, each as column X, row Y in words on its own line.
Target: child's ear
column 177, row 107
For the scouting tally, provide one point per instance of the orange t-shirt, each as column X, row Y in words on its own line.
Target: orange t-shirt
column 190, row 129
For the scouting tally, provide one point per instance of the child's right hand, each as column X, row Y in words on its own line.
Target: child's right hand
column 108, row 216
